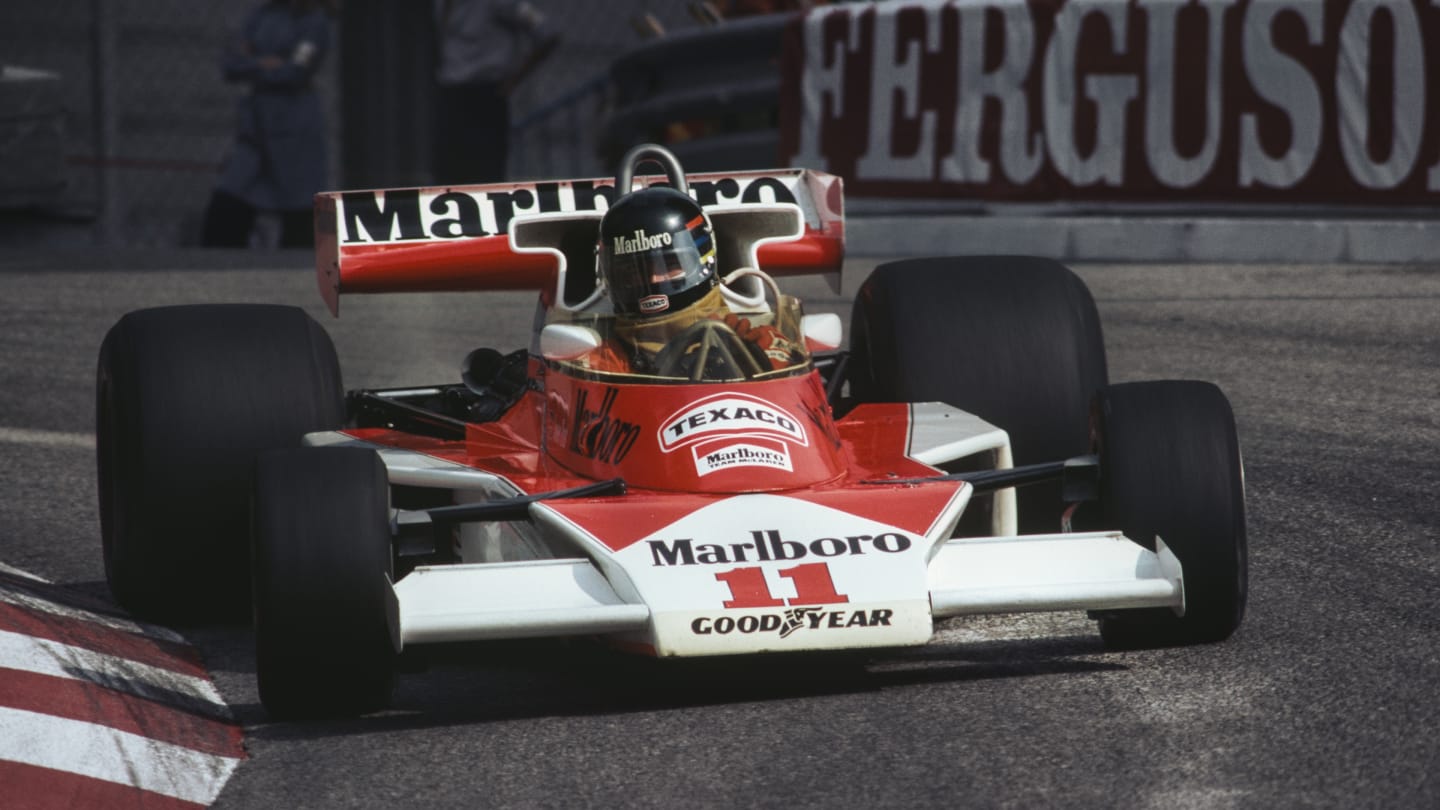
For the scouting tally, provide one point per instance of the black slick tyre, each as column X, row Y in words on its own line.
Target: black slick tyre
column 322, row 564
column 1170, row 467
column 185, row 398
column 1013, row 339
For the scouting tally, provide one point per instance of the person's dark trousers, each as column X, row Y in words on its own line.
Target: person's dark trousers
column 228, row 221
column 472, row 134
column 297, row 228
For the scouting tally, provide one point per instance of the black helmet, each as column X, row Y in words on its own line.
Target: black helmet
column 657, row 253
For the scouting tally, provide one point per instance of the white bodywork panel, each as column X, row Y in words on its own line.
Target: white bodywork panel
column 508, row 600
column 683, row 573
column 941, row 433
column 1092, row 571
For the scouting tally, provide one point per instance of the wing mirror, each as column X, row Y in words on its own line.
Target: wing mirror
column 822, row 331
column 567, row 341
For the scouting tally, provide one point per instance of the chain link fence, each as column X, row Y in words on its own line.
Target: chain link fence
column 143, row 117
column 114, row 118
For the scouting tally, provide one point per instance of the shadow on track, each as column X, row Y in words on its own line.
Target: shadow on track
column 504, row 681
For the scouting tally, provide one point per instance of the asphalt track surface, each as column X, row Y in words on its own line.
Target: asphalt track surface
column 1327, row 697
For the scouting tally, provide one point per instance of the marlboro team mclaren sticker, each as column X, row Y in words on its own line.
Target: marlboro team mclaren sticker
column 742, row 455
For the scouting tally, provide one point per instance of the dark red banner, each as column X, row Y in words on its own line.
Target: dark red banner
column 1323, row 101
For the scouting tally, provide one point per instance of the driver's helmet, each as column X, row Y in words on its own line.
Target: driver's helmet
column 657, row 252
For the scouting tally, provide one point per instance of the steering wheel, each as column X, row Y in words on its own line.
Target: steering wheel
column 708, row 350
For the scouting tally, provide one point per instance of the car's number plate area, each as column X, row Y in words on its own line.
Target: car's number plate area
column 738, row 577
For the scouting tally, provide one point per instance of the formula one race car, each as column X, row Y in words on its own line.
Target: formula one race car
column 725, row 482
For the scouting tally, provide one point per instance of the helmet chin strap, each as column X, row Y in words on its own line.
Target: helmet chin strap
column 737, row 300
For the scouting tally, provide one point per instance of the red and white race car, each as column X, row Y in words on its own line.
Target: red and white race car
column 965, row 455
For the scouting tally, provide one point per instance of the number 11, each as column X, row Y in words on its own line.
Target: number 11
column 813, row 586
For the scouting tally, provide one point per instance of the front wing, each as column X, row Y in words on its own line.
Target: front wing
column 763, row 573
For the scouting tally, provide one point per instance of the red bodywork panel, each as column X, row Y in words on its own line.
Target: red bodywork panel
column 678, row 438
column 679, row 447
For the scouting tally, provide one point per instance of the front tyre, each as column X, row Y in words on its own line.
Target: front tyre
column 322, row 566
column 1014, row 340
column 1170, row 467
column 185, row 398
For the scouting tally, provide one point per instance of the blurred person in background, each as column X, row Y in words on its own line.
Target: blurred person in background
column 485, row 49
column 278, row 160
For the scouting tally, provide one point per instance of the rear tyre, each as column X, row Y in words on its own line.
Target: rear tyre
column 323, row 561
column 185, row 398
column 1170, row 467
column 1013, row 339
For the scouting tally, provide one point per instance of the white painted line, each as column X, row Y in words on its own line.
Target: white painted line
column 46, row 438
column 46, row 657
column 114, row 756
column 16, row 572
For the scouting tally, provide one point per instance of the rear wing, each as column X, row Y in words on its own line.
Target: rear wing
column 454, row 238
